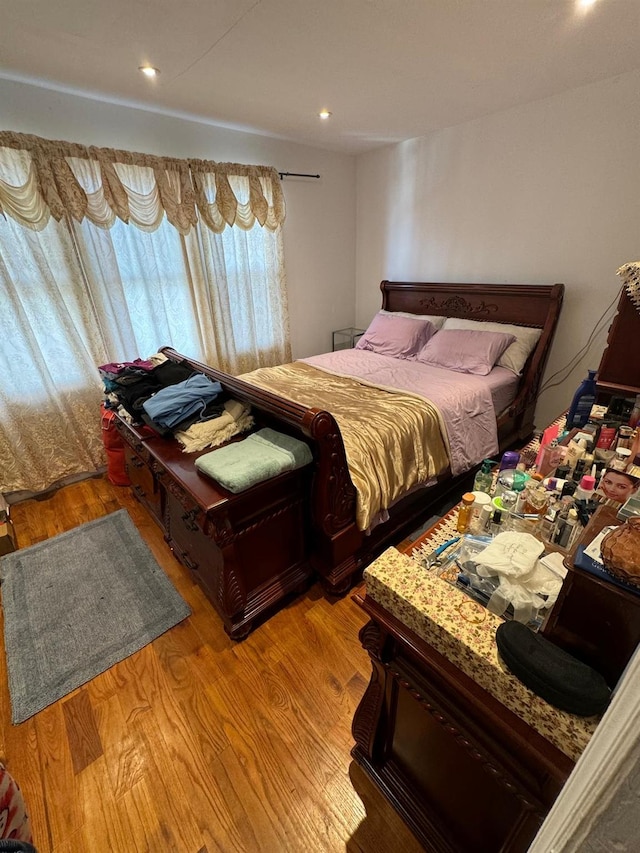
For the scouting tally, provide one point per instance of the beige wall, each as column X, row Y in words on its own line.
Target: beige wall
column 542, row 193
column 319, row 232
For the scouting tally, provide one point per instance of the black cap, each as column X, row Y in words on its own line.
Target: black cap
column 562, row 472
column 569, row 488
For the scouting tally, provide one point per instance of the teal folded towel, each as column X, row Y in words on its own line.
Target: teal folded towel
column 258, row 457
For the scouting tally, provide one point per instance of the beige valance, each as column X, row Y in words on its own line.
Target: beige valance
column 40, row 178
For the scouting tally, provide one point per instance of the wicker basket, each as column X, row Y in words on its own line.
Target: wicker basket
column 621, row 551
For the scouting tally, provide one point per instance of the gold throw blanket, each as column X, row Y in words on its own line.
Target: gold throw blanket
column 393, row 439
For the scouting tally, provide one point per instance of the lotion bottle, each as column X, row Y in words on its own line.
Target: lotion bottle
column 585, row 490
column 484, row 478
column 465, row 511
column 583, row 400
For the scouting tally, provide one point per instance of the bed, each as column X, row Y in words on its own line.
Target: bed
column 345, row 535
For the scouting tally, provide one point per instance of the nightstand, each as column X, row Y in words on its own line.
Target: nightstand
column 346, row 338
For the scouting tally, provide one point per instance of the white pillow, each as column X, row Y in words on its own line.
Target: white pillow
column 515, row 356
column 436, row 320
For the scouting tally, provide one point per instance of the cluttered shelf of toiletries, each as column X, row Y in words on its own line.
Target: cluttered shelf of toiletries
column 549, row 490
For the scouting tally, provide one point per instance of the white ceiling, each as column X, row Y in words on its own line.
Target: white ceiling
column 387, row 69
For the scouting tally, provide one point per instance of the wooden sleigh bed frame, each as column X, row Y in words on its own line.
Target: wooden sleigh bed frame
column 338, row 549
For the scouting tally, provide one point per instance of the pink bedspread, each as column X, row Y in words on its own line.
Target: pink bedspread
column 464, row 400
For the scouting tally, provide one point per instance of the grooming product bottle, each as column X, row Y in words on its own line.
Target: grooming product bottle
column 625, row 437
column 575, row 451
column 565, row 528
column 549, row 519
column 634, row 467
column 553, row 454
column 537, row 500
column 510, row 459
column 465, row 511
column 510, row 480
column 534, row 480
column 621, row 459
column 605, row 445
column 484, row 478
column 554, row 484
column 579, row 470
column 485, row 518
column 480, row 501
column 583, row 400
column 586, row 488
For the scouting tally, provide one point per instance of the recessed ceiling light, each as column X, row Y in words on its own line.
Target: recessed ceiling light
column 149, row 70
column 324, row 114
column 584, row 4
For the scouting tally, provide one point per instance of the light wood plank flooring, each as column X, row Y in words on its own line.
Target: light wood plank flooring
column 196, row 743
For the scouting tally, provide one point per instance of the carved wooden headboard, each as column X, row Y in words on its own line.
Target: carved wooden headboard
column 534, row 305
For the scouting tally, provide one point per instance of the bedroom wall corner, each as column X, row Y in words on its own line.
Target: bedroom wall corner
column 542, row 193
column 319, row 231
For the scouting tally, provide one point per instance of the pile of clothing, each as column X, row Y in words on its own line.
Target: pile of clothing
column 174, row 400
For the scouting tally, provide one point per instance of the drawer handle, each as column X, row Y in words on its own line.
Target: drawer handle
column 189, row 520
column 188, row 562
column 137, row 463
column 139, row 491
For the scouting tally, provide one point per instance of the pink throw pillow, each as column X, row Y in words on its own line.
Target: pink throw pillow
column 465, row 350
column 399, row 337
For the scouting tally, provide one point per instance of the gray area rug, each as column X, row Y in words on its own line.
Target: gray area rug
column 78, row 603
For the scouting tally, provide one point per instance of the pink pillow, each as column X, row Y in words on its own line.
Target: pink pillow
column 400, row 337
column 465, row 350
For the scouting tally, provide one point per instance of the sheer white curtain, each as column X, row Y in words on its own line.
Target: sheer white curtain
column 102, row 260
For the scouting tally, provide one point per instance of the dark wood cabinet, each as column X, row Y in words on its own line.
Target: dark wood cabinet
column 247, row 551
column 619, row 371
column 143, row 482
column 593, row 619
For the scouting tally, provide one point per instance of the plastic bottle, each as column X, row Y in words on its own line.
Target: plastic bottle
column 464, row 513
column 511, row 480
column 484, row 478
column 509, row 459
column 583, row 400
column 553, row 484
column 585, row 490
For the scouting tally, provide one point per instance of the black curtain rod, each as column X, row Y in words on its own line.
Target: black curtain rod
column 296, row 175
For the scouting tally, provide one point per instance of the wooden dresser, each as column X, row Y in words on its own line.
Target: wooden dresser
column 217, row 534
column 469, row 756
column 619, row 370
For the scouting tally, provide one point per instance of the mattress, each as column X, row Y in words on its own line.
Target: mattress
column 468, row 404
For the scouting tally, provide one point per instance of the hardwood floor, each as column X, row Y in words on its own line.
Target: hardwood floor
column 195, row 743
